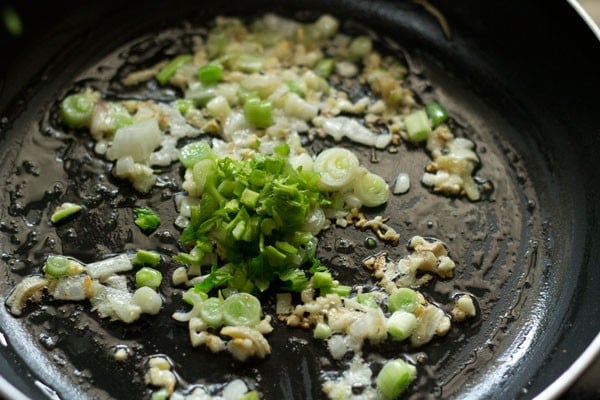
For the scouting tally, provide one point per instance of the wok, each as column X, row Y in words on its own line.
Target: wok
column 520, row 78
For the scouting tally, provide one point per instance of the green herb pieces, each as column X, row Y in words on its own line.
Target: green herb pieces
column 167, row 72
column 148, row 277
column 144, row 257
column 437, row 113
column 253, row 212
column 146, row 219
column 63, row 211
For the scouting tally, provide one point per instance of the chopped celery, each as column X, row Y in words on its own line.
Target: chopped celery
column 148, row 277
column 63, row 211
column 417, row 126
column 146, row 219
column 166, row 73
column 241, row 309
column 394, row 378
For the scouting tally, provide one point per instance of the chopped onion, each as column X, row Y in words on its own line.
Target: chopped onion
column 401, row 183
column 340, row 127
column 137, row 141
column 105, row 268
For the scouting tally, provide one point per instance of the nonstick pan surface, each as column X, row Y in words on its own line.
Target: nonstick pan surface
column 520, row 80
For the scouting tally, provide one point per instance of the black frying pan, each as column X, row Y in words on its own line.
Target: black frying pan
column 520, row 78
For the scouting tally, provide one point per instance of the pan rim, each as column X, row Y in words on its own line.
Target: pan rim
column 568, row 378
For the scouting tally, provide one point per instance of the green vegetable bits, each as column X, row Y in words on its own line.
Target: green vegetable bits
column 254, row 211
column 146, row 219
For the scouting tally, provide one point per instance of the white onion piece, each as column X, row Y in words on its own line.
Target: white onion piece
column 148, row 299
column 71, row 288
column 297, row 107
column 105, row 268
column 316, row 222
column 178, row 126
column 337, row 167
column 340, row 127
column 401, row 183
column 137, row 141
column 167, row 153
column 427, row 324
column 29, row 288
column 234, row 390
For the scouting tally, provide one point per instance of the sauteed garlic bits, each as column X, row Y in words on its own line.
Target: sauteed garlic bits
column 255, row 199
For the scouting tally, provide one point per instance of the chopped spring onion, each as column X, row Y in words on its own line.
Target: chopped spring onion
column 171, row 68
column 144, row 257
column 76, row 110
column 63, row 211
column 193, row 152
column 148, row 277
column 258, row 112
column 146, row 219
column 401, row 324
column 403, row 299
column 394, row 378
column 360, row 47
column 211, row 312
column 340, row 290
column 417, row 126
column 241, row 309
column 12, row 21
column 371, row 189
column 437, row 113
column 252, row 395
column 322, row 331
column 183, row 106
column 210, row 73
column 321, row 280
column 367, row 299
column 325, row 67
column 337, row 167
column 60, row 266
